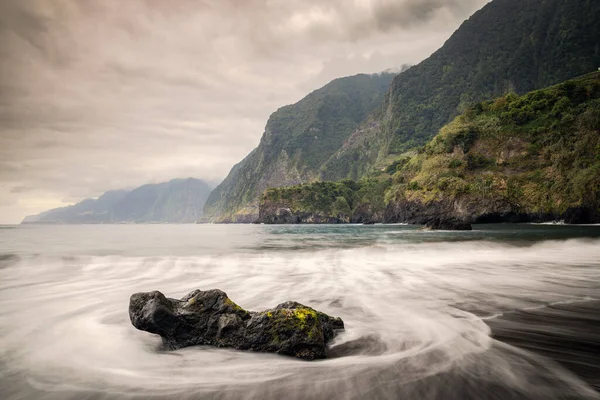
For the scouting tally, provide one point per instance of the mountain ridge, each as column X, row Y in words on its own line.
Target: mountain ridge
column 507, row 46
column 175, row 201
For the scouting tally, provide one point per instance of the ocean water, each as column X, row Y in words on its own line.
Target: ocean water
column 419, row 308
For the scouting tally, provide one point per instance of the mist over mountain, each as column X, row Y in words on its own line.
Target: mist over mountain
column 176, row 201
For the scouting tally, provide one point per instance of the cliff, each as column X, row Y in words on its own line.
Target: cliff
column 517, row 159
column 507, row 46
column 356, row 126
column 325, row 203
column 525, row 158
column 297, row 141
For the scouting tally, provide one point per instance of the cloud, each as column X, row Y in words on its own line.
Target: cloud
column 103, row 95
column 20, row 189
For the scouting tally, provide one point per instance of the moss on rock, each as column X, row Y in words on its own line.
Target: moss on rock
column 212, row 318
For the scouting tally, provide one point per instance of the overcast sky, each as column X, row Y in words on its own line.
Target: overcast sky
column 108, row 94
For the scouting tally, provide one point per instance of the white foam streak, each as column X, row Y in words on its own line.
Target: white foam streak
column 65, row 321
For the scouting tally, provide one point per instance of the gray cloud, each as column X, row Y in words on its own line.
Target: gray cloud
column 21, row 189
column 100, row 95
column 388, row 15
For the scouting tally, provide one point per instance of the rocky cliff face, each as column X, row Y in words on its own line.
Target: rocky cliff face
column 349, row 129
column 462, row 210
column 508, row 46
column 532, row 158
column 325, row 203
column 282, row 214
column 297, row 141
column 477, row 210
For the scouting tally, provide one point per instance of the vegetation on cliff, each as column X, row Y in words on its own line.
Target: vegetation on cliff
column 298, row 140
column 320, row 202
column 538, row 154
column 350, row 129
column 508, row 46
column 531, row 157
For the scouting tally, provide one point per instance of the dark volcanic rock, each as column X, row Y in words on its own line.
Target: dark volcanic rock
column 211, row 318
column 582, row 215
column 449, row 224
column 474, row 210
column 281, row 214
column 444, row 212
column 367, row 214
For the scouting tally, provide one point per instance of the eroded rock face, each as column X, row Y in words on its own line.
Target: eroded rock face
column 456, row 214
column 282, row 214
column 211, row 318
column 449, row 224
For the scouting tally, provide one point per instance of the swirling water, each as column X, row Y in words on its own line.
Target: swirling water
column 416, row 305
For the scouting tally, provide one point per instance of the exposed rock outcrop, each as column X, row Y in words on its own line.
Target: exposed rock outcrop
column 367, row 214
column 341, row 202
column 211, row 318
column 449, row 224
column 281, row 214
column 459, row 214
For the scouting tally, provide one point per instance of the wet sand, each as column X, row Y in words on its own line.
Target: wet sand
column 567, row 333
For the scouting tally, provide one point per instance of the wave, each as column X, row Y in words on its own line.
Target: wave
column 414, row 314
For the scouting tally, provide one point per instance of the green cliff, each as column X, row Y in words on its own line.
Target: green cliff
column 349, row 129
column 326, row 202
column 297, row 141
column 508, row 46
column 534, row 157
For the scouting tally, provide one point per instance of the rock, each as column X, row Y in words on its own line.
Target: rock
column 282, row 214
column 449, row 224
column 476, row 210
column 367, row 214
column 581, row 215
column 211, row 318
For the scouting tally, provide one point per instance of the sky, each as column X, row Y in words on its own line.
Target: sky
column 112, row 94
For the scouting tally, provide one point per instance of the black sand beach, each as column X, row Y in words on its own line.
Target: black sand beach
column 567, row 333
